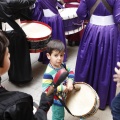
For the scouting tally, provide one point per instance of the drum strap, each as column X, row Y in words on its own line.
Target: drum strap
column 11, row 22
column 63, row 103
column 108, row 7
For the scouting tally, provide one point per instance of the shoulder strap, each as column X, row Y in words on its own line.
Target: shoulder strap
column 108, row 7
column 11, row 22
column 94, row 6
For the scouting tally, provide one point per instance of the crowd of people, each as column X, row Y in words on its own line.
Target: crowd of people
column 98, row 58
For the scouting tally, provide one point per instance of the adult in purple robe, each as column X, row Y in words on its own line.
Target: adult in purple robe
column 99, row 49
column 55, row 22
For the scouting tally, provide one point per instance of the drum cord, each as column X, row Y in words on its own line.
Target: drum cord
column 63, row 102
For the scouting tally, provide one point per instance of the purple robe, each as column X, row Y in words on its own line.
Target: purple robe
column 55, row 22
column 99, row 51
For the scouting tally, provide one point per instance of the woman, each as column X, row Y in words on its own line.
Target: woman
column 46, row 11
column 99, row 48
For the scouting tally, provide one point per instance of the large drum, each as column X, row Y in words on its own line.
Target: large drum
column 71, row 4
column 72, row 24
column 82, row 103
column 68, row 1
column 38, row 35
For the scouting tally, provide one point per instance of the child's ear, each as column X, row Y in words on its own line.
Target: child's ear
column 48, row 55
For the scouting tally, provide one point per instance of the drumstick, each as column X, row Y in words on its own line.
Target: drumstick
column 58, row 79
column 76, row 87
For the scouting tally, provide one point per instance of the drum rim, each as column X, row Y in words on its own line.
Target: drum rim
column 93, row 110
column 74, row 31
column 38, row 39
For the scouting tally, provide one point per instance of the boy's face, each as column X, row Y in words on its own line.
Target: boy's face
column 56, row 58
column 6, row 63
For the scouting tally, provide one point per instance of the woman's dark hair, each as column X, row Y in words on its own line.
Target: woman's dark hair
column 55, row 45
column 3, row 44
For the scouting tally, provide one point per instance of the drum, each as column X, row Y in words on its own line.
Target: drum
column 72, row 24
column 83, row 102
column 68, row 1
column 71, row 4
column 38, row 35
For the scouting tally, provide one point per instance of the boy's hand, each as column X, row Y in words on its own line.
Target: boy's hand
column 70, row 85
column 65, row 90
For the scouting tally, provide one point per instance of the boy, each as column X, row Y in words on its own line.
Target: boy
column 18, row 112
column 55, row 54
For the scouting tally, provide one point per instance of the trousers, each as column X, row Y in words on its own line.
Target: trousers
column 115, row 107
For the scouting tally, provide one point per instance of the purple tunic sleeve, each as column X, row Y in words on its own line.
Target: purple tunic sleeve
column 82, row 10
column 49, row 4
column 116, row 12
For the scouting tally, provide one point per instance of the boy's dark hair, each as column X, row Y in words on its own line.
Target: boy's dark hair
column 3, row 44
column 55, row 45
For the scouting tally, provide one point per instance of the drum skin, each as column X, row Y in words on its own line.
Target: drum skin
column 84, row 102
column 38, row 35
column 72, row 24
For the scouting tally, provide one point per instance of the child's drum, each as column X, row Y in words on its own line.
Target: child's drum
column 38, row 35
column 72, row 24
column 82, row 103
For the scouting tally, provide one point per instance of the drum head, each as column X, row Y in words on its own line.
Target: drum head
column 36, row 30
column 38, row 35
column 81, row 102
column 68, row 13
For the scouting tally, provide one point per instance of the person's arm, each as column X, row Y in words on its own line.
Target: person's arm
column 70, row 79
column 82, row 10
column 19, row 4
column 47, row 81
column 116, row 77
column 40, row 115
column 116, row 12
column 44, row 106
column 13, row 8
